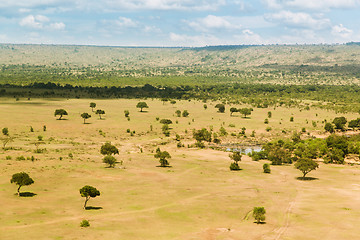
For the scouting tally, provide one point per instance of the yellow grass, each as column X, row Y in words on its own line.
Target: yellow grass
column 198, row 198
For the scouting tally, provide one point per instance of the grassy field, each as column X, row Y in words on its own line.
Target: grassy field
column 197, row 198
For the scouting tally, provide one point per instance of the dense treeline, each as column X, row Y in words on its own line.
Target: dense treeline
column 339, row 98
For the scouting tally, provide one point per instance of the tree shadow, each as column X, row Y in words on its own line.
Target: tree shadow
column 86, row 123
column 27, row 194
column 143, row 111
column 93, row 208
column 306, row 178
column 260, row 222
column 163, row 166
column 63, row 119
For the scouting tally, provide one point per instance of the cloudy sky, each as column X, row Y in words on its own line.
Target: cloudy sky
column 179, row 22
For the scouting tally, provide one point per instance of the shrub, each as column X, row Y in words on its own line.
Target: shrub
column 110, row 160
column 84, row 223
column 259, row 214
column 266, row 168
column 234, row 166
column 266, row 121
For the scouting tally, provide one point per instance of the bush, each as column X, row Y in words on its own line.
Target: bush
column 266, row 168
column 165, row 121
column 266, row 121
column 8, row 157
column 20, row 158
column 259, row 214
column 234, row 166
column 110, row 160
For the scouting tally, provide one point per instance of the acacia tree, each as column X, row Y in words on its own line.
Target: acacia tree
column 200, row 136
column 220, row 107
column 236, row 157
column 99, row 112
column 21, row 179
column 232, row 110
column 92, row 105
column 108, row 150
column 85, row 116
column 259, row 214
column 329, row 127
column 89, row 192
column 60, row 112
column 245, row 111
column 163, row 156
column 306, row 165
column 142, row 105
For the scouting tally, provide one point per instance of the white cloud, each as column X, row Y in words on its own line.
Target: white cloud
column 312, row 4
column 249, row 37
column 341, row 31
column 299, row 19
column 40, row 22
column 200, row 5
column 57, row 26
column 34, row 21
column 212, row 22
column 124, row 22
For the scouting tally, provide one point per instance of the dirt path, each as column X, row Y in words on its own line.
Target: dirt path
column 101, row 216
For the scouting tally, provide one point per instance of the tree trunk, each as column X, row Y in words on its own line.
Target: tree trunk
column 18, row 190
column 100, row 116
column 87, row 199
column 140, row 109
column 84, row 120
column 60, row 117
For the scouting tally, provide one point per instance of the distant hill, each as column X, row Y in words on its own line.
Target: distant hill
column 119, row 66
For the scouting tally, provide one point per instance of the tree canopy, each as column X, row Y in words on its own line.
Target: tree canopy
column 85, row 116
column 142, row 105
column 99, row 112
column 306, row 165
column 108, row 149
column 163, row 156
column 21, row 179
column 88, row 192
column 60, row 112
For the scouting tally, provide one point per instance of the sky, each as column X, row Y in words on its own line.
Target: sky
column 186, row 23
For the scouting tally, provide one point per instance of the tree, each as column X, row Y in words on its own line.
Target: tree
column 163, row 156
column 178, row 113
column 202, row 135
column 99, row 112
column 266, row 168
column 108, row 149
column 354, row 124
column 88, row 192
column 306, row 165
column 127, row 113
column 269, row 114
column 165, row 121
column 340, row 123
column 329, row 127
column 185, row 113
column 259, row 214
column 85, row 116
column 60, row 112
column 5, row 131
column 220, row 107
column 110, row 160
column 142, row 105
column 205, row 106
column 92, row 105
column 245, row 111
column 21, row 179
column 232, row 110
column 236, row 157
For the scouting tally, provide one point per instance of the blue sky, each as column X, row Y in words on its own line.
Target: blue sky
column 179, row 22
